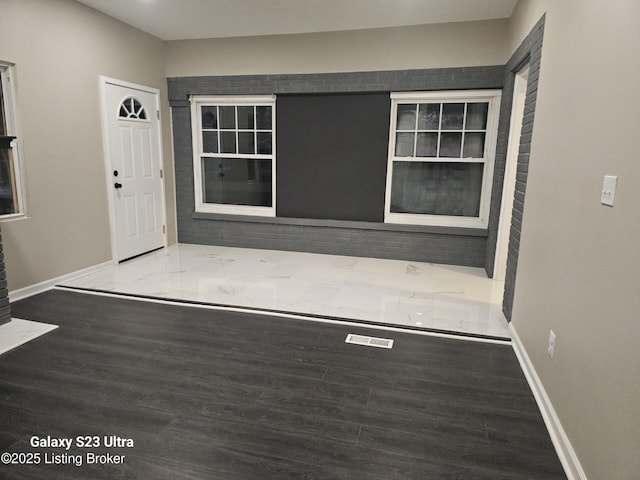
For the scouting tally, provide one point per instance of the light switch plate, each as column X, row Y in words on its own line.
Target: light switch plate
column 551, row 349
column 608, row 190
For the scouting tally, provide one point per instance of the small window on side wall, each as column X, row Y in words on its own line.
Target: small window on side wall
column 441, row 155
column 11, row 189
column 234, row 154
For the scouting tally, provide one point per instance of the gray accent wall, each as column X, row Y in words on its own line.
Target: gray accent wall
column 332, row 151
column 436, row 245
column 530, row 51
column 5, row 309
column 382, row 81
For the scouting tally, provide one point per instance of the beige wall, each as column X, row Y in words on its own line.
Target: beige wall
column 442, row 45
column 578, row 270
column 60, row 47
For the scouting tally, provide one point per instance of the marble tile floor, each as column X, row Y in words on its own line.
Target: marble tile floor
column 399, row 293
column 18, row 331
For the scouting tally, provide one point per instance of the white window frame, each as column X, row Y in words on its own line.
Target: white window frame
column 493, row 98
column 7, row 76
column 198, row 101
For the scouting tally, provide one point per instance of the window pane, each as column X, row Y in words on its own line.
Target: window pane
column 436, row 188
column 406, row 117
column 8, row 200
column 209, row 117
column 210, row 142
column 404, row 144
column 246, row 142
column 477, row 116
column 264, row 143
column 473, row 145
column 139, row 110
column 245, row 118
column 452, row 116
column 228, row 117
column 427, row 145
column 429, row 116
column 228, row 142
column 237, row 181
column 263, row 115
column 450, row 144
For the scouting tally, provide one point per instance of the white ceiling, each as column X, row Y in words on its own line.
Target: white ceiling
column 187, row 19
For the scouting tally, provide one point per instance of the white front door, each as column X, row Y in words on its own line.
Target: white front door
column 134, row 168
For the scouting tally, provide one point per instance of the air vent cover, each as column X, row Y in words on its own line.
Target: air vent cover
column 369, row 341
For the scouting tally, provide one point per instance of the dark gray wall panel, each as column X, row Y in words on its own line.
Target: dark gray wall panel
column 179, row 88
column 529, row 51
column 332, row 152
column 5, row 309
column 419, row 247
column 451, row 248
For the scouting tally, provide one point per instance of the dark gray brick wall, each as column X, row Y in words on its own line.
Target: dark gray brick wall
column 179, row 88
column 530, row 51
column 5, row 309
column 451, row 248
column 422, row 247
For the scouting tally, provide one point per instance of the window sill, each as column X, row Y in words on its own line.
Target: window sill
column 235, row 210
column 436, row 220
column 312, row 222
column 12, row 216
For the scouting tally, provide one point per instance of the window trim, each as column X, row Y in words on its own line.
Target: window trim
column 7, row 77
column 197, row 101
column 493, row 97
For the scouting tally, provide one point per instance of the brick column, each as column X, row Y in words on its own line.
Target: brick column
column 5, row 309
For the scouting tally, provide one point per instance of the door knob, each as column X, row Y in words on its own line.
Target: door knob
column 117, row 185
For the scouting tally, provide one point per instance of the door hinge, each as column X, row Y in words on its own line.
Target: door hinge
column 164, row 229
column 161, row 174
column 158, row 114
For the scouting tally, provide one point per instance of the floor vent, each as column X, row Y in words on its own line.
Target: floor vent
column 369, row 341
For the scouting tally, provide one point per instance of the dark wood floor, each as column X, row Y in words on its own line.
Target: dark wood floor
column 218, row 395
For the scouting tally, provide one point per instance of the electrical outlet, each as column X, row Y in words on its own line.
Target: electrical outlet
column 552, row 344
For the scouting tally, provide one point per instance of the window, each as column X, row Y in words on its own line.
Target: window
column 131, row 108
column 11, row 197
column 234, row 154
column 441, row 151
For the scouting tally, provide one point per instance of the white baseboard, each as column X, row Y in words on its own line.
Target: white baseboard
column 25, row 292
column 564, row 449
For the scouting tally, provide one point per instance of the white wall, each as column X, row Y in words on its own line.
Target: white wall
column 429, row 46
column 60, row 47
column 578, row 270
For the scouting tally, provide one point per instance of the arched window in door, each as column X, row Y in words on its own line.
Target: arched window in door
column 132, row 109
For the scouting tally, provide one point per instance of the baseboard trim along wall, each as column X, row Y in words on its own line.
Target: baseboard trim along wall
column 25, row 292
column 564, row 449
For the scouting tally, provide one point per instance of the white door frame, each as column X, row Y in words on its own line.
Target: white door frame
column 511, row 168
column 104, row 110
